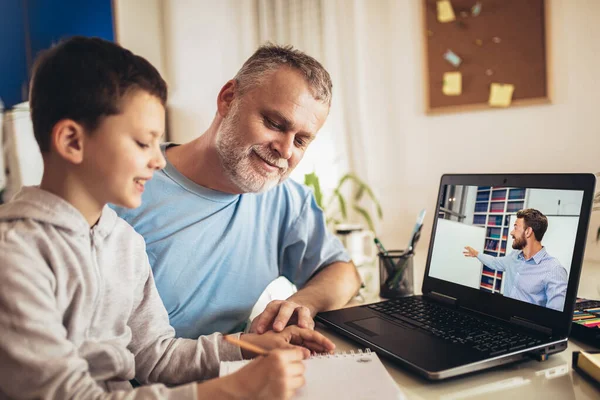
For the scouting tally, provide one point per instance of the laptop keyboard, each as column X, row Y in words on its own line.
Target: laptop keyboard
column 455, row 327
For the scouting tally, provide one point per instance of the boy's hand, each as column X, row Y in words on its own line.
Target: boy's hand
column 275, row 376
column 291, row 337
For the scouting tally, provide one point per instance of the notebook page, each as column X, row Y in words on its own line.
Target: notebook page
column 345, row 376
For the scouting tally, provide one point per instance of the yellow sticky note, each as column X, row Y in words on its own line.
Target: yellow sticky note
column 501, row 94
column 452, row 85
column 445, row 13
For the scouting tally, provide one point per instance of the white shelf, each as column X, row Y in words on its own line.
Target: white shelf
column 501, row 214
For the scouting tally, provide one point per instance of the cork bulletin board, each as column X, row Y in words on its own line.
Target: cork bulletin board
column 482, row 46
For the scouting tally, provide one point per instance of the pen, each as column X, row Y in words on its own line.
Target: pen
column 400, row 273
column 245, row 345
column 380, row 247
column 388, row 261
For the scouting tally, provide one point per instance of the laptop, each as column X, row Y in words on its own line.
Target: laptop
column 472, row 317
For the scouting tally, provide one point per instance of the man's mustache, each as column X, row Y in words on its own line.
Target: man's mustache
column 270, row 158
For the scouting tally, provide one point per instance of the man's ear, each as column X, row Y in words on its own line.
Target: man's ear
column 225, row 98
column 528, row 232
column 67, row 140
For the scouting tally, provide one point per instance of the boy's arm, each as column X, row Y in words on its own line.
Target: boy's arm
column 162, row 358
column 38, row 360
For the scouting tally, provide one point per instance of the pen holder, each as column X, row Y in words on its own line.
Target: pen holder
column 396, row 274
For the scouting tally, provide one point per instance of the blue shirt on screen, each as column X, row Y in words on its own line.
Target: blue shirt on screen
column 541, row 280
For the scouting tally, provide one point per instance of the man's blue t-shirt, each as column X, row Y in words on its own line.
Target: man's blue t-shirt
column 213, row 253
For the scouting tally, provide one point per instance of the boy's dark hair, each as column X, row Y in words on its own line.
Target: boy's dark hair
column 535, row 220
column 85, row 79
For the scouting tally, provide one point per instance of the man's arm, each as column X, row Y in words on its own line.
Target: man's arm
column 556, row 288
column 330, row 288
column 497, row 263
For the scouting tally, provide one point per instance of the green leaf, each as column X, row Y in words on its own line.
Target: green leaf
column 312, row 180
column 359, row 192
column 343, row 179
column 365, row 215
column 374, row 199
column 342, row 203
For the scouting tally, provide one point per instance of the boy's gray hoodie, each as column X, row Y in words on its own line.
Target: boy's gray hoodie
column 79, row 312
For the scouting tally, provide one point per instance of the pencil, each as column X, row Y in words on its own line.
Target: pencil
column 245, row 345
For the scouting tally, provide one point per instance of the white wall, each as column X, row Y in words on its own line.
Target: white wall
column 205, row 42
column 139, row 27
column 417, row 149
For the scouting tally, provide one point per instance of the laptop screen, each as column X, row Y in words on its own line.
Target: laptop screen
column 515, row 242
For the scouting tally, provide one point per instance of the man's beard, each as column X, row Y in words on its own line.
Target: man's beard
column 519, row 243
column 237, row 158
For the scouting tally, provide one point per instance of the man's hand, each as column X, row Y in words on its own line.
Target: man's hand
column 470, row 252
column 291, row 337
column 280, row 313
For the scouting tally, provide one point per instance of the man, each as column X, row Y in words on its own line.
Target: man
column 221, row 221
column 532, row 275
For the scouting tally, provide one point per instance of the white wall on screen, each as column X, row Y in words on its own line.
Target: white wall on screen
column 447, row 259
column 470, row 196
column 555, row 202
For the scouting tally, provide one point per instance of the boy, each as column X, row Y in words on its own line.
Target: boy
column 79, row 313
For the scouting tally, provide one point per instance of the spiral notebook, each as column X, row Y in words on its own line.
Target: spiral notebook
column 353, row 375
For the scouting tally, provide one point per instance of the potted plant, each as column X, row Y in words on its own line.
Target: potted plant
column 358, row 190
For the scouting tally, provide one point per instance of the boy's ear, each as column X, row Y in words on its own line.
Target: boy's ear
column 226, row 96
column 67, row 140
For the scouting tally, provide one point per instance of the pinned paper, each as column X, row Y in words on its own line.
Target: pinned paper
column 501, row 94
column 452, row 58
column 445, row 13
column 452, row 85
column 476, row 9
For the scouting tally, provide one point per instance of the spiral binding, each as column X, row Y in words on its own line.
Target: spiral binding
column 341, row 354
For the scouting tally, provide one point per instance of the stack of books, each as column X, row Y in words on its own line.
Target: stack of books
column 588, row 364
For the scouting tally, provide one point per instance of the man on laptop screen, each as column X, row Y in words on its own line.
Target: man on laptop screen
column 478, row 219
column 532, row 275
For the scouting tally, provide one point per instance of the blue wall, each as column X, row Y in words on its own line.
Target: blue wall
column 48, row 22
column 13, row 64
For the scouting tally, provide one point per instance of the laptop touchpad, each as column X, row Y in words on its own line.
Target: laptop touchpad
column 375, row 326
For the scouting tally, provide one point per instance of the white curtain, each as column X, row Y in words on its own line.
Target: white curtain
column 300, row 23
column 351, row 38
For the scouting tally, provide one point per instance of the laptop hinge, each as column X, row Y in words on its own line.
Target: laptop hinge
column 531, row 325
column 442, row 298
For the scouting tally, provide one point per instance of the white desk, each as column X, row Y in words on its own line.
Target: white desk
column 550, row 379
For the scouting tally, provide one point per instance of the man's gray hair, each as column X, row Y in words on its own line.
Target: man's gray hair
column 270, row 57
